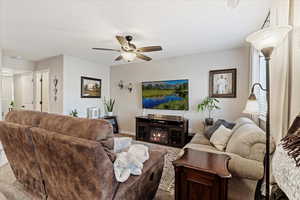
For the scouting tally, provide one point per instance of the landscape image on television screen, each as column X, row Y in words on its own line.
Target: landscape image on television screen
column 167, row 95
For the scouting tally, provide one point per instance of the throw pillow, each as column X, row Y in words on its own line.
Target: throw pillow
column 220, row 137
column 208, row 133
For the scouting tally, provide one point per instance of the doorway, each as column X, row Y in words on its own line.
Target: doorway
column 7, row 93
column 16, row 90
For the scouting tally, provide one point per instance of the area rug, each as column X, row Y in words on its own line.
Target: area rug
column 9, row 188
column 167, row 182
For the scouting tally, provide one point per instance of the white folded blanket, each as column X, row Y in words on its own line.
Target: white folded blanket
column 121, row 143
column 130, row 162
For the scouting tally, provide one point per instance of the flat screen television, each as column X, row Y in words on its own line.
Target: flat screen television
column 166, row 95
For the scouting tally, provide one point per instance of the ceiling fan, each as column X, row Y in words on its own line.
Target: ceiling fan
column 129, row 51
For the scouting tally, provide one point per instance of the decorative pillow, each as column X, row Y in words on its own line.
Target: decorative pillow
column 208, row 133
column 221, row 137
column 241, row 121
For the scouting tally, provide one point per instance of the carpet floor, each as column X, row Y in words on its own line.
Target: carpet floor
column 11, row 190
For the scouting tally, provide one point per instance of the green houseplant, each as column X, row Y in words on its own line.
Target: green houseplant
column 208, row 104
column 109, row 106
column 74, row 113
column 11, row 106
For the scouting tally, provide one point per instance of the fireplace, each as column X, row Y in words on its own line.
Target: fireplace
column 159, row 135
column 165, row 130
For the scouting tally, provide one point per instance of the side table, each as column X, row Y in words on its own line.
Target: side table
column 114, row 122
column 201, row 175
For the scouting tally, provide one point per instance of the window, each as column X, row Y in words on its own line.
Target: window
column 260, row 94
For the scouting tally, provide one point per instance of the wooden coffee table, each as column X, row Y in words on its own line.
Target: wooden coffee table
column 201, row 176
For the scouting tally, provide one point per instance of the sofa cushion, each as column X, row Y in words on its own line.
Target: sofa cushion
column 91, row 129
column 24, row 117
column 245, row 168
column 220, row 137
column 208, row 133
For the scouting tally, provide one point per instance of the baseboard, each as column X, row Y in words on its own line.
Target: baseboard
column 127, row 132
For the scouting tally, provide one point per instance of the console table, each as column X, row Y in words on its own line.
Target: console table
column 162, row 129
column 201, row 175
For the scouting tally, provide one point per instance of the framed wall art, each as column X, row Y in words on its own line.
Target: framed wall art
column 222, row 83
column 90, row 87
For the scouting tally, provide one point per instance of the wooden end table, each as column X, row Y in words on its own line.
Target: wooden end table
column 201, row 176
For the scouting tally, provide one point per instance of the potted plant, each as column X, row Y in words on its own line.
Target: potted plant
column 74, row 113
column 209, row 104
column 11, row 106
column 109, row 106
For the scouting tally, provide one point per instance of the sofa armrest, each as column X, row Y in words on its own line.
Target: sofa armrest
column 245, row 168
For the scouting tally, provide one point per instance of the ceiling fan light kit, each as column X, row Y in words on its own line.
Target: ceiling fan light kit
column 128, row 50
column 128, row 56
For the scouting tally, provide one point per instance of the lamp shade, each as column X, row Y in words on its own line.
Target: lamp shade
column 252, row 107
column 268, row 37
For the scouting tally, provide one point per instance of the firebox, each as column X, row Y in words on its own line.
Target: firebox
column 159, row 135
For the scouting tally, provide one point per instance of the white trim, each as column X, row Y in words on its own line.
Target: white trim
column 127, row 132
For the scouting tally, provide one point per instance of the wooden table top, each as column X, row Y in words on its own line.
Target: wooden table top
column 204, row 161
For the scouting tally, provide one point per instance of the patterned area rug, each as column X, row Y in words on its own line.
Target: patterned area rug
column 9, row 188
column 167, row 182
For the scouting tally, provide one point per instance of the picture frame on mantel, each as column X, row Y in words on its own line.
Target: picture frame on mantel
column 90, row 87
column 222, row 83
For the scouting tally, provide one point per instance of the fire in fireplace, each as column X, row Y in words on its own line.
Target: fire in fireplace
column 159, row 135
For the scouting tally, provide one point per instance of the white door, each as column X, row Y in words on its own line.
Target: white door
column 27, row 91
column 6, row 93
column 23, row 91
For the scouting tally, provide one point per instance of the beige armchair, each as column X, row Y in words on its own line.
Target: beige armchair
column 246, row 147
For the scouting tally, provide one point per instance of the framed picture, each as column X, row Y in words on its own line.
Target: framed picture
column 90, row 87
column 222, row 83
column 93, row 113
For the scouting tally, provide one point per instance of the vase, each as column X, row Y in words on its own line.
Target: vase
column 110, row 113
column 209, row 121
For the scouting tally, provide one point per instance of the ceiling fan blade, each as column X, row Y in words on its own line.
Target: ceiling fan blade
column 122, row 40
column 149, row 49
column 105, row 49
column 119, row 58
column 143, row 57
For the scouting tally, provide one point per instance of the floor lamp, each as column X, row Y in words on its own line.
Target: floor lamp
column 265, row 41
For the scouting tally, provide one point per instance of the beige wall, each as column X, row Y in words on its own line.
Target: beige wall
column 193, row 67
column 68, row 70
column 74, row 68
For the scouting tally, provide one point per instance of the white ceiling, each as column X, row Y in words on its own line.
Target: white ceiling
column 36, row 29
